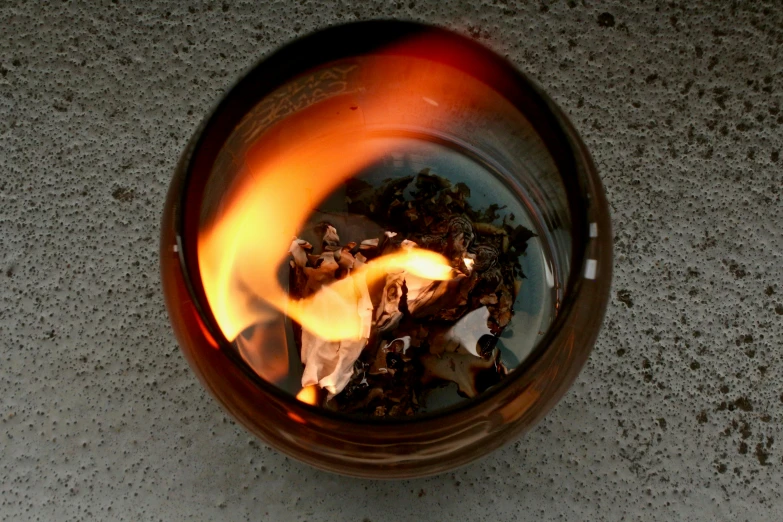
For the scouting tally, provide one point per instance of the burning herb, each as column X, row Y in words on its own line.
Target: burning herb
column 417, row 333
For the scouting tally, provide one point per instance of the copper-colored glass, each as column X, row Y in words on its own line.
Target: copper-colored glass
column 513, row 125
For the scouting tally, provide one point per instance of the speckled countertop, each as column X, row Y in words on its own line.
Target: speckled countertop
column 677, row 415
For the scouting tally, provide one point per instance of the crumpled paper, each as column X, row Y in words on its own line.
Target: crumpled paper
column 329, row 364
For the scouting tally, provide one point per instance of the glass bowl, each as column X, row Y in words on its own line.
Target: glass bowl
column 404, row 81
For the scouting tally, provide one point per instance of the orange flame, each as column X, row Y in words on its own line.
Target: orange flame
column 288, row 172
column 244, row 249
column 308, row 395
column 332, row 313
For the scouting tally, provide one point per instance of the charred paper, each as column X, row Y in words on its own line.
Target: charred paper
column 417, row 335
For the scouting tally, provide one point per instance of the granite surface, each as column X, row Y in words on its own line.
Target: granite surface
column 677, row 415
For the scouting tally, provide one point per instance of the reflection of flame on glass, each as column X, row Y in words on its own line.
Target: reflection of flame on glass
column 307, row 157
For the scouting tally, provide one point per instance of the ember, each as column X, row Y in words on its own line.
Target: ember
column 430, row 296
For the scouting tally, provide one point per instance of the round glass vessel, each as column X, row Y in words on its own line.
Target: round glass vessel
column 374, row 98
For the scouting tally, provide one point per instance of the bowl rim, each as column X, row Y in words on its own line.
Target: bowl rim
column 354, row 39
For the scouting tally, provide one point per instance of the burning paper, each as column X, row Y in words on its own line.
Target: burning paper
column 334, row 287
column 422, row 322
column 329, row 363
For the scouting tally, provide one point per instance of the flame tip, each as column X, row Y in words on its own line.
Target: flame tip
column 308, row 395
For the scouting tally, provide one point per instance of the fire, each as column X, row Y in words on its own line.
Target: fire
column 308, row 395
column 287, row 173
column 240, row 255
column 332, row 314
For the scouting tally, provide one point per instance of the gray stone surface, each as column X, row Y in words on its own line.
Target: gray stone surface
column 678, row 414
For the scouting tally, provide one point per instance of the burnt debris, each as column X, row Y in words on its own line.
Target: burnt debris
column 422, row 334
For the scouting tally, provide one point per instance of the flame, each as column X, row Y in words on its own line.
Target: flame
column 416, row 262
column 332, row 312
column 308, row 395
column 243, row 250
column 292, row 168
